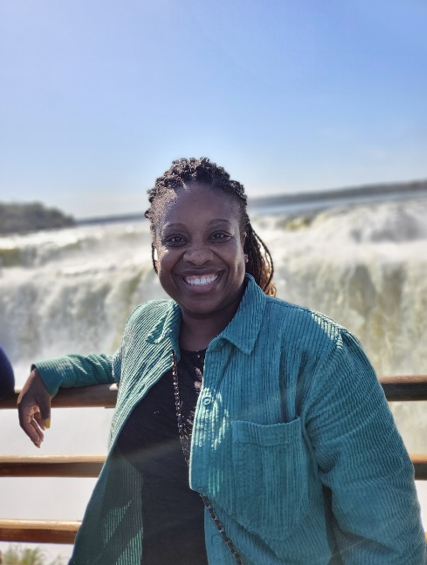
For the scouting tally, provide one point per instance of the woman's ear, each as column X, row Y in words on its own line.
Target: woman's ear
column 154, row 256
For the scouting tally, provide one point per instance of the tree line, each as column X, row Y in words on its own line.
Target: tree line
column 32, row 216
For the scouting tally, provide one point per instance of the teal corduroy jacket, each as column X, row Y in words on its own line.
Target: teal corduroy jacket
column 293, row 442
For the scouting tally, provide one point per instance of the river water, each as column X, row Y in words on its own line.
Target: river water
column 71, row 291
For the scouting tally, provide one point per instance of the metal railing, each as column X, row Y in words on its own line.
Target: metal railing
column 405, row 388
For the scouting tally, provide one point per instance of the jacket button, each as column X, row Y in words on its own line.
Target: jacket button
column 207, row 400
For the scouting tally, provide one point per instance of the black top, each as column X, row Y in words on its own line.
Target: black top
column 172, row 512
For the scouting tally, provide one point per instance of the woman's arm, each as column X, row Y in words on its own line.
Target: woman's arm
column 79, row 370
column 48, row 376
column 71, row 371
column 363, row 461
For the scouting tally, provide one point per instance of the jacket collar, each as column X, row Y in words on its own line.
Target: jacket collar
column 242, row 331
column 167, row 327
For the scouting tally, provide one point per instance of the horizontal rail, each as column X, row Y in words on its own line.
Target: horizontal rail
column 420, row 466
column 52, row 465
column 96, row 396
column 413, row 387
column 91, row 465
column 38, row 531
column 43, row 531
column 405, row 387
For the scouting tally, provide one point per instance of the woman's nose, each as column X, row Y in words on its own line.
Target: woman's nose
column 198, row 254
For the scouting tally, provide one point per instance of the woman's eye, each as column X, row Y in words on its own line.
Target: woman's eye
column 174, row 240
column 220, row 236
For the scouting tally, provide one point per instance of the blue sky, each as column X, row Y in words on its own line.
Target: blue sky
column 97, row 97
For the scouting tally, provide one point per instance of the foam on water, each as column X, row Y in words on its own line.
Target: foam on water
column 72, row 290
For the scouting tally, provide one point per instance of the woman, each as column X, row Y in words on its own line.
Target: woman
column 293, row 456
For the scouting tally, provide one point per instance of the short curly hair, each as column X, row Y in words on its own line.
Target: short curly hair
column 204, row 172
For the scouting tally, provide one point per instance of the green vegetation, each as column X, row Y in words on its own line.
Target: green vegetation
column 17, row 555
column 33, row 216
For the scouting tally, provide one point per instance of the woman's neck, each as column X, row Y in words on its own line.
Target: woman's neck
column 197, row 334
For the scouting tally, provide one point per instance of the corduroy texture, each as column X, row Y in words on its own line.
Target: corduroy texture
column 293, row 442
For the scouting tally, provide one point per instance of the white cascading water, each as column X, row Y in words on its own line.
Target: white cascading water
column 71, row 291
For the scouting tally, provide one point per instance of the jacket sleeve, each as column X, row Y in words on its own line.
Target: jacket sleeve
column 85, row 370
column 362, row 460
column 79, row 370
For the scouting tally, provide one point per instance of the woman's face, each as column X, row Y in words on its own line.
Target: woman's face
column 199, row 244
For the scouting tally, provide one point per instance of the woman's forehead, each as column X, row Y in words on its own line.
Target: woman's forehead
column 198, row 199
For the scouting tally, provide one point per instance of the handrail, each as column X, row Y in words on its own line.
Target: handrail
column 89, row 466
column 403, row 388
column 96, row 396
column 39, row 531
column 419, row 462
column 42, row 531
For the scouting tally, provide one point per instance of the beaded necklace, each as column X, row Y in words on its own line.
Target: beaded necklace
column 185, row 439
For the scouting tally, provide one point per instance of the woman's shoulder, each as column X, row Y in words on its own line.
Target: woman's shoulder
column 160, row 305
column 294, row 313
column 325, row 345
column 304, row 326
column 149, row 312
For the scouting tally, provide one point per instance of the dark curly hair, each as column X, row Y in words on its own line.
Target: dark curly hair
column 203, row 171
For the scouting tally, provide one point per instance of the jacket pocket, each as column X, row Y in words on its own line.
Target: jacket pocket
column 271, row 476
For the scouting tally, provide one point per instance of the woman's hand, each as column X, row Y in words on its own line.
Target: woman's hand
column 34, row 408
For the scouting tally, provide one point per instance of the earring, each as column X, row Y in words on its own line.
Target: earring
column 246, row 257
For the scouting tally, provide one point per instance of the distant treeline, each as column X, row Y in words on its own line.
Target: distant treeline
column 33, row 216
column 410, row 189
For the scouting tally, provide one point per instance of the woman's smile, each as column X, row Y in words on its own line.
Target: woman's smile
column 201, row 280
column 200, row 284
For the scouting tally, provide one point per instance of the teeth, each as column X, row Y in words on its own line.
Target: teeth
column 198, row 281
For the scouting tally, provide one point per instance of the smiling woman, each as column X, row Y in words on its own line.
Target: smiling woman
column 201, row 263
column 247, row 430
